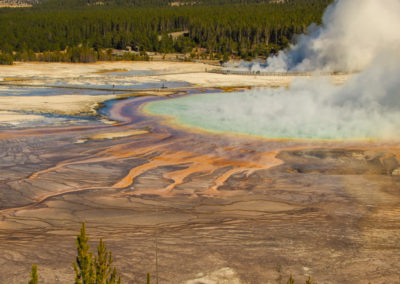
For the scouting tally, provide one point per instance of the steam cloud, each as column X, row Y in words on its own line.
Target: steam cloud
column 353, row 33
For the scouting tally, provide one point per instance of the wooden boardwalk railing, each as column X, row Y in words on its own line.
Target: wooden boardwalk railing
column 260, row 73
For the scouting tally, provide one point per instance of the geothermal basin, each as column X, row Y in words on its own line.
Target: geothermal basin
column 210, row 205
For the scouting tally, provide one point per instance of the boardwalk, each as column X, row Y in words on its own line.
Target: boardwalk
column 259, row 73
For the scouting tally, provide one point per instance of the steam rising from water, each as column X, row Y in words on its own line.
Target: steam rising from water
column 357, row 35
column 353, row 33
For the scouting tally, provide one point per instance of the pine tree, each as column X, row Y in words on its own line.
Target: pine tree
column 291, row 280
column 94, row 270
column 34, row 275
column 103, row 261
column 84, row 272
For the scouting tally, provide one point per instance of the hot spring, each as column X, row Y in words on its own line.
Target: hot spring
column 309, row 109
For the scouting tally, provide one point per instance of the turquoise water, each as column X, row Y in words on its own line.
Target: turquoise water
column 277, row 113
column 217, row 112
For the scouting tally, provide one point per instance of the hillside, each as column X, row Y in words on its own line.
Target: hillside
column 221, row 30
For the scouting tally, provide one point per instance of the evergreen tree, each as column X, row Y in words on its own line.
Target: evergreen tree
column 34, row 275
column 84, row 267
column 93, row 270
column 291, row 280
column 103, row 261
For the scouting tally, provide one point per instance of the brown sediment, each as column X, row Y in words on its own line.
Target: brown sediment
column 11, row 134
column 120, row 151
column 261, row 200
column 213, row 190
column 128, row 179
column 179, row 176
column 113, row 135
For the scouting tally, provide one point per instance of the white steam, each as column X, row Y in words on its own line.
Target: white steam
column 353, row 33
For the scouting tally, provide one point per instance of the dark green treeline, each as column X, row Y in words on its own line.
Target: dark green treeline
column 243, row 30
